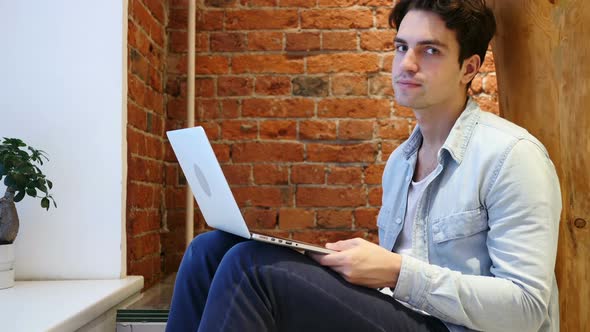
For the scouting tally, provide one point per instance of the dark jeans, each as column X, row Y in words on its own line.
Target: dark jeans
column 226, row 283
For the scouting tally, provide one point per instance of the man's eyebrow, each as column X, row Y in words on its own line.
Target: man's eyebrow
column 423, row 42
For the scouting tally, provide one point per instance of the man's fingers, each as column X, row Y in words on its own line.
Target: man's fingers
column 344, row 244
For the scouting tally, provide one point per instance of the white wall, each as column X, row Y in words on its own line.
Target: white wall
column 62, row 90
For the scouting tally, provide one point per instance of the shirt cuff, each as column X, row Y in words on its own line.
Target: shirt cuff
column 413, row 282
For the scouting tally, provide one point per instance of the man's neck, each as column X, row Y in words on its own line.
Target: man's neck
column 436, row 122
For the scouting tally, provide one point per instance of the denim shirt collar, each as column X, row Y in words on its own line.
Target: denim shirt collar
column 458, row 138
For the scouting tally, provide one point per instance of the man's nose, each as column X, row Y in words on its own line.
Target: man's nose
column 409, row 61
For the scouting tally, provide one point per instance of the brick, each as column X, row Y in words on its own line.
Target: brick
column 487, row 104
column 171, row 174
column 257, row 218
column 374, row 173
column 141, row 221
column 402, row 111
column 272, row 64
column 332, row 197
column 176, row 64
column 349, row 3
column 138, row 64
column 178, row 18
column 278, row 108
column 387, row 147
column 308, row 174
column 267, row 152
column 393, row 129
column 336, row 18
column 229, row 109
column 207, row 109
column 334, row 218
column 136, row 117
column 476, row 84
column 237, row 174
column 271, row 174
column 259, row 3
column 212, row 65
column 490, row 84
column 142, row 195
column 345, row 175
column 323, row 237
column 149, row 24
column 375, row 196
column 310, row 86
column 387, row 62
column 178, row 41
column 343, row 62
column 204, row 87
column 273, row 85
column 144, row 145
column 382, row 17
column 265, row 41
column 366, row 218
column 380, row 85
column 228, row 42
column 157, row 8
column 146, row 170
column 144, row 245
column 221, row 3
column 349, row 85
column 257, row 19
column 297, row 3
column 280, row 129
column 363, row 152
column 222, row 152
column 303, row 41
column 175, row 197
column 207, row 20
column 339, row 40
column 234, row 86
column 354, row 108
column 294, row 219
column 377, row 40
column 239, row 129
column 355, row 129
column 262, row 196
column 317, row 129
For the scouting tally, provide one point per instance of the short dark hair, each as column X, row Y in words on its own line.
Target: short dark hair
column 472, row 21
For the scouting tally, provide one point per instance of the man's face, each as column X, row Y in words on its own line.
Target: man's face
column 425, row 71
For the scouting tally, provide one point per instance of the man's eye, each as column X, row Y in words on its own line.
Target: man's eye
column 432, row 51
column 401, row 48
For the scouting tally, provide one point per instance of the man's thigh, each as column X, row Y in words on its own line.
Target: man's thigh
column 298, row 294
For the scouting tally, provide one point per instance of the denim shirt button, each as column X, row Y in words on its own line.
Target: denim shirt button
column 398, row 220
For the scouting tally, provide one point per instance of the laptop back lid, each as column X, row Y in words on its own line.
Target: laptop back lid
column 206, row 180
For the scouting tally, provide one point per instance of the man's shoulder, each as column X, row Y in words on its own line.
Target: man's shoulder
column 497, row 131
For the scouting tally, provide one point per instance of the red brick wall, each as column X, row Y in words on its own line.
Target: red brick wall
column 146, row 108
column 296, row 97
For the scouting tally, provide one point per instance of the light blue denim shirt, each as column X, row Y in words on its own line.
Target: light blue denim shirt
column 485, row 234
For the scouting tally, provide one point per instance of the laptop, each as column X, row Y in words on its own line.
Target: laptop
column 212, row 192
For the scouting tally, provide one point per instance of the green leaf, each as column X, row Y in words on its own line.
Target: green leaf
column 41, row 185
column 45, row 203
column 50, row 184
column 9, row 181
column 19, row 196
column 32, row 192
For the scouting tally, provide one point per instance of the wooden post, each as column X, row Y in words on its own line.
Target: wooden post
column 542, row 55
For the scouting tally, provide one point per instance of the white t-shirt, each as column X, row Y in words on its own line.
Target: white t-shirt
column 403, row 245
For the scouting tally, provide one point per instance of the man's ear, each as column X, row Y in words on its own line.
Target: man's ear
column 470, row 68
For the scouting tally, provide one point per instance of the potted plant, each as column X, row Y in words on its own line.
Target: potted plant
column 22, row 176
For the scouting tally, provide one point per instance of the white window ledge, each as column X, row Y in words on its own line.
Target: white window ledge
column 63, row 305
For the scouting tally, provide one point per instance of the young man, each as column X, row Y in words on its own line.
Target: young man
column 467, row 229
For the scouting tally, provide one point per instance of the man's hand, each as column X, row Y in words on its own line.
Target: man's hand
column 362, row 263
